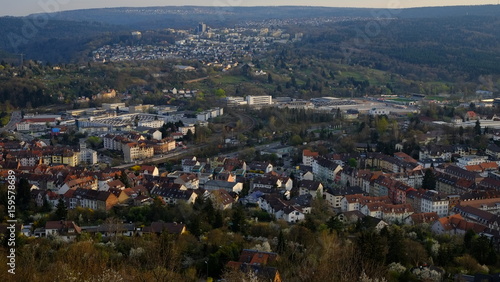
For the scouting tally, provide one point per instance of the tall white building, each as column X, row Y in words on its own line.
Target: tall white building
column 259, row 100
column 134, row 151
column 88, row 156
column 432, row 201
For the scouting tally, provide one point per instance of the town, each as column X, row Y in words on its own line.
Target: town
column 250, row 144
column 452, row 188
column 217, row 47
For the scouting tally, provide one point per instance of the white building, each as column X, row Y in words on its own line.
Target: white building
column 433, row 202
column 135, row 151
column 87, row 156
column 259, row 100
column 324, row 169
column 151, row 123
column 235, row 101
column 378, row 111
column 23, row 126
column 471, row 160
column 184, row 129
column 308, row 157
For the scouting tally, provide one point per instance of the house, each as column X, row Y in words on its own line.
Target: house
column 265, row 183
column 471, row 115
column 404, row 157
column 119, row 194
column 68, row 230
column 155, row 134
column 351, row 216
column 190, row 180
column 116, row 184
column 350, row 114
column 282, row 209
column 228, row 186
column 457, row 120
column 87, row 182
column 159, row 227
column 172, row 194
column 308, row 175
column 221, row 199
column 333, row 196
column 357, row 201
column 371, row 222
column 421, row 218
column 312, row 187
column 260, row 167
column 113, row 229
column 324, row 169
column 493, row 150
column 92, row 199
column 455, row 225
column 257, row 262
column 387, row 212
column 187, row 164
column 150, row 170
column 42, row 196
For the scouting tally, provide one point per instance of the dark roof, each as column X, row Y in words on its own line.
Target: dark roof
column 309, row 184
column 469, row 210
column 91, row 194
column 257, row 257
column 63, row 226
column 427, row 217
column 341, row 191
column 160, row 226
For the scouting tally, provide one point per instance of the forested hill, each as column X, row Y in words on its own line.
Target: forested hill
column 185, row 16
column 51, row 41
column 69, row 36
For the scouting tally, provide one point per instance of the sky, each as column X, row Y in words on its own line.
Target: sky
column 26, row 7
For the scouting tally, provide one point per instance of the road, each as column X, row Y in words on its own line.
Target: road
column 14, row 119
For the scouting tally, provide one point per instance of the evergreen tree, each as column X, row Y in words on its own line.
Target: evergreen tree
column 124, row 179
column 238, row 220
column 218, row 220
column 429, row 181
column 61, row 210
column 24, row 193
column 47, row 207
column 396, row 252
column 189, row 136
column 335, row 224
column 280, row 249
column 195, row 226
column 477, row 128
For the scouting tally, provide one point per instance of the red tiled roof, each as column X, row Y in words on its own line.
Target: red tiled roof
column 309, row 153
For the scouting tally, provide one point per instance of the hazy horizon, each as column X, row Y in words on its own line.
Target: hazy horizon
column 27, row 7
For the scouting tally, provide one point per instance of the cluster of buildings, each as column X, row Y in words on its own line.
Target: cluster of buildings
column 21, row 154
column 392, row 189
column 215, row 47
column 137, row 147
column 349, row 108
column 69, row 230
